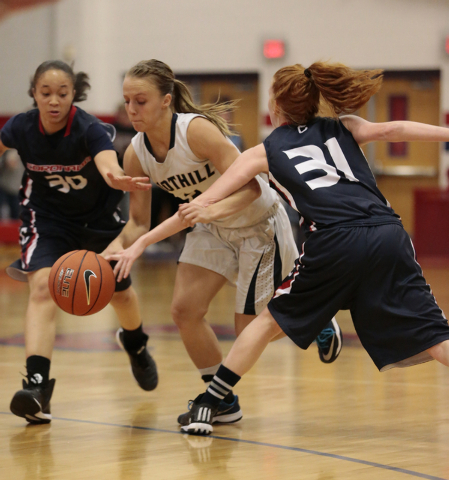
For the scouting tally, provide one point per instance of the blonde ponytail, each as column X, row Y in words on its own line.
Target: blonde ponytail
column 163, row 77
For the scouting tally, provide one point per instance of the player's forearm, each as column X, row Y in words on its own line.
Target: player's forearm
column 106, row 162
column 113, row 169
column 166, row 229
column 235, row 177
column 235, row 202
column 130, row 233
column 404, row 131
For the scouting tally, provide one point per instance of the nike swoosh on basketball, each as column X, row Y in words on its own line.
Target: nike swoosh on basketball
column 87, row 275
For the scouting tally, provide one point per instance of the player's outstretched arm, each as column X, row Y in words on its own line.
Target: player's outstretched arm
column 241, row 172
column 126, row 258
column 196, row 213
column 139, row 209
column 114, row 175
column 208, row 143
column 397, row 131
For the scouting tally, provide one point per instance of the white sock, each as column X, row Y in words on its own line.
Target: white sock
column 207, row 374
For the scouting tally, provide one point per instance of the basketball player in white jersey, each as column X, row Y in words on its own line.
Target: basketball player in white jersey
column 248, row 241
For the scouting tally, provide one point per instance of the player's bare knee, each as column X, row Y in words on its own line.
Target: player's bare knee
column 185, row 315
column 276, row 331
column 39, row 291
column 268, row 324
column 123, row 298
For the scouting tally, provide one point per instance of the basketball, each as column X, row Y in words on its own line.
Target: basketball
column 81, row 282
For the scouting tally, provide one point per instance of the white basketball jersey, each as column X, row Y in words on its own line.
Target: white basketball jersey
column 186, row 176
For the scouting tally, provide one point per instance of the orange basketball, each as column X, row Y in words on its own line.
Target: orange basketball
column 81, row 282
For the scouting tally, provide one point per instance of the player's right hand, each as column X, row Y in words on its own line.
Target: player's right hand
column 125, row 259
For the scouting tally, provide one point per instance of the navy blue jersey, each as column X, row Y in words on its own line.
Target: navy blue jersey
column 61, row 179
column 321, row 171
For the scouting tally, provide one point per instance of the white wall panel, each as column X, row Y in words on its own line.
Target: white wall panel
column 25, row 42
column 108, row 36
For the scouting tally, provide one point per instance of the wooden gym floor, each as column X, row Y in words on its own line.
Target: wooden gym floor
column 302, row 419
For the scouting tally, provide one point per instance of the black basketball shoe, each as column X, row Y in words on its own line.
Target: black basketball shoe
column 329, row 342
column 226, row 412
column 143, row 365
column 200, row 419
column 33, row 401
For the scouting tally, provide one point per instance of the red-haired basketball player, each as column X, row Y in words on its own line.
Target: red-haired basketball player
column 357, row 255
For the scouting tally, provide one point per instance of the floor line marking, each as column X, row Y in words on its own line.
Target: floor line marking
column 261, row 444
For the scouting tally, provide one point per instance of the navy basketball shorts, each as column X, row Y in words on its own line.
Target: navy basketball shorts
column 370, row 270
column 43, row 240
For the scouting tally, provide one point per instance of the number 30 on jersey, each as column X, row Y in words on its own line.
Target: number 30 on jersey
column 64, row 184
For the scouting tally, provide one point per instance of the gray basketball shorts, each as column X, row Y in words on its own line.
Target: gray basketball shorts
column 254, row 259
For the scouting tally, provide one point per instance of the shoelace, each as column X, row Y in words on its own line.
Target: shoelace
column 31, row 384
column 142, row 359
column 324, row 338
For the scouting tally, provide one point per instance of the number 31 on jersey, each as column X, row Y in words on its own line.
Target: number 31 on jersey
column 318, row 162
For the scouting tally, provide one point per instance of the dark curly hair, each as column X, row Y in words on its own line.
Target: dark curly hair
column 79, row 80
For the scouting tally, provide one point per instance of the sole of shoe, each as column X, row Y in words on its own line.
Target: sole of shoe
column 228, row 418
column 183, row 419
column 38, row 420
column 147, row 388
column 197, row 429
column 26, row 406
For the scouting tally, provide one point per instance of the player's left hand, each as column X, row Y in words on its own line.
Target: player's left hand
column 128, row 184
column 192, row 213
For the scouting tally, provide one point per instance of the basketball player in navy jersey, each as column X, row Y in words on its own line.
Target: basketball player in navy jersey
column 69, row 195
column 245, row 240
column 357, row 255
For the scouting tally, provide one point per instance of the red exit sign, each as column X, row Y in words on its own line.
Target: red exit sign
column 273, row 48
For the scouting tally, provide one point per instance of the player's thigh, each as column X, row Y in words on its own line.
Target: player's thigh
column 43, row 241
column 194, row 289
column 96, row 238
column 207, row 246
column 38, row 282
